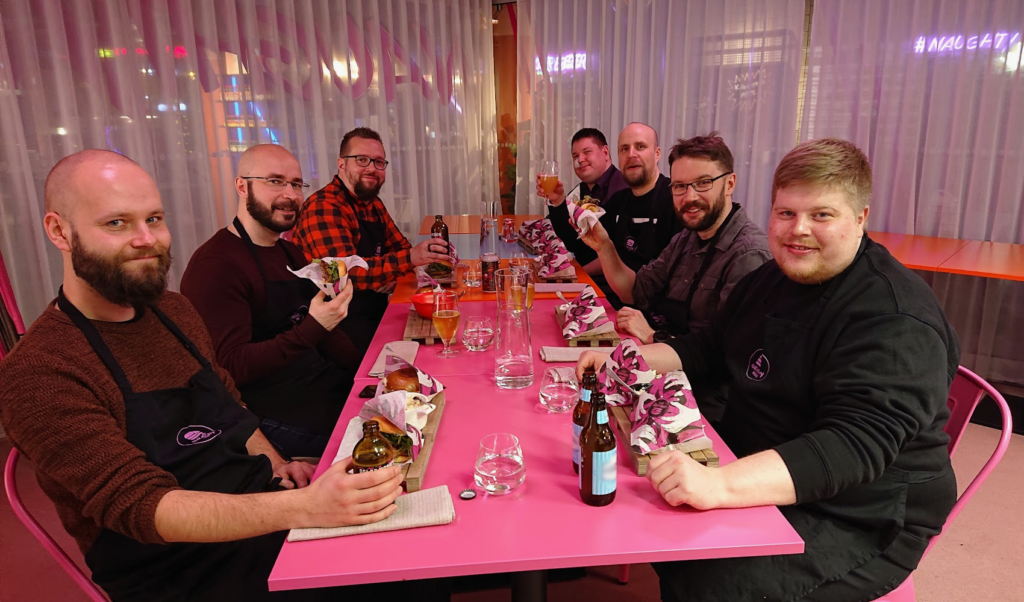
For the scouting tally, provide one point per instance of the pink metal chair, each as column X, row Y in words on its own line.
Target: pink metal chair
column 69, row 566
column 967, row 390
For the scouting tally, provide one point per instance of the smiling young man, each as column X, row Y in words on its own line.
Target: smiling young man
column 838, row 361
column 277, row 334
column 599, row 179
column 347, row 218
column 136, row 434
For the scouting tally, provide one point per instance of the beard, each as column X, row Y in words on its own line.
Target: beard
column 264, row 215
column 111, row 278
column 366, row 192
column 638, row 180
column 711, row 213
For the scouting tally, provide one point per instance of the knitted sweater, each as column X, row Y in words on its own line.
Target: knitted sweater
column 63, row 410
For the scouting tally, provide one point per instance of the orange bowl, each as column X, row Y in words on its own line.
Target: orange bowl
column 424, row 304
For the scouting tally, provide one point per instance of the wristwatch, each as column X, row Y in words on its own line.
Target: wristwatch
column 663, row 336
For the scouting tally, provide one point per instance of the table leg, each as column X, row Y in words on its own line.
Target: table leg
column 530, row 586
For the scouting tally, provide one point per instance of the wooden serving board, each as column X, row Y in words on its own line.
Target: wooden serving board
column 699, row 449
column 526, row 245
column 588, row 340
column 418, row 328
column 413, row 472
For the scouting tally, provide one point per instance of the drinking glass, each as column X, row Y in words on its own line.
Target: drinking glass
column 477, row 334
column 446, row 320
column 499, row 464
column 471, row 277
column 520, row 260
column 559, row 389
column 548, row 177
column 513, row 352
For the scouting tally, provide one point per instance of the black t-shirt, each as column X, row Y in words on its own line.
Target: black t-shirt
column 644, row 225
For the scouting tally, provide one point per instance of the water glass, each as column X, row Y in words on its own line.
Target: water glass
column 559, row 389
column 477, row 334
column 446, row 320
column 471, row 277
column 499, row 464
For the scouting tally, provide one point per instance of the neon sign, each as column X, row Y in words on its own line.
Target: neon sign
column 996, row 41
column 566, row 62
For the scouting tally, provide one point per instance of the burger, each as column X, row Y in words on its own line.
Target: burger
column 593, row 207
column 331, row 270
column 396, row 437
column 439, row 269
column 406, row 379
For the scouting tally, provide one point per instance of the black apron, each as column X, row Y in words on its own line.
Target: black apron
column 637, row 241
column 367, row 307
column 309, row 392
column 197, row 433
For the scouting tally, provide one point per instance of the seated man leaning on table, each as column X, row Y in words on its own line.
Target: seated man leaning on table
column 599, row 179
column 839, row 361
column 275, row 333
column 347, row 217
column 692, row 278
column 137, row 436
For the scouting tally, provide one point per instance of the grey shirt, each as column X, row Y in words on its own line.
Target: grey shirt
column 741, row 248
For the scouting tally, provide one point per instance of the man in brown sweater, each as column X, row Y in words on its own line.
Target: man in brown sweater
column 137, row 437
column 277, row 334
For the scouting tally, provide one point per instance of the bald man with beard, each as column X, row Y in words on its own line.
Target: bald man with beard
column 137, row 436
column 277, row 334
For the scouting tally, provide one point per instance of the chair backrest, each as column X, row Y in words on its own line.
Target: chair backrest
column 967, row 390
column 69, row 566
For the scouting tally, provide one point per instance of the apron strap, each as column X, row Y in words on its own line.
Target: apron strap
column 187, row 342
column 249, row 245
column 95, row 341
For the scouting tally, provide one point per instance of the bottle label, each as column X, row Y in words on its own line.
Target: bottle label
column 361, row 469
column 585, row 395
column 604, row 474
column 602, row 417
column 576, row 429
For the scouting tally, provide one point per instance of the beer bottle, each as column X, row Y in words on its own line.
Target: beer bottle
column 439, row 229
column 581, row 413
column 373, row 451
column 598, row 461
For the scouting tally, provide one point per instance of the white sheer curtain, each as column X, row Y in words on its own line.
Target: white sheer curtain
column 933, row 91
column 685, row 68
column 183, row 87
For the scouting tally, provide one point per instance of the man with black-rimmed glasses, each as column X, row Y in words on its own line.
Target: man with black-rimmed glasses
column 276, row 334
column 682, row 289
column 347, row 217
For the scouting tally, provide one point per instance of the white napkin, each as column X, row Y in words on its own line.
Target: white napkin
column 406, row 350
column 564, row 287
column 561, row 354
column 312, row 272
column 424, row 508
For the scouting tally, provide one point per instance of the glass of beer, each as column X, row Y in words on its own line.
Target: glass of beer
column 548, row 177
column 446, row 320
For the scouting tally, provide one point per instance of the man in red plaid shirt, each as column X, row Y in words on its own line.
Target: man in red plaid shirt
column 346, row 217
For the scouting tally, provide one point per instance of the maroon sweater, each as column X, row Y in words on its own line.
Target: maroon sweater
column 224, row 283
column 63, row 410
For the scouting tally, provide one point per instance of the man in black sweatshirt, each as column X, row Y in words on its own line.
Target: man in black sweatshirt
column 839, row 361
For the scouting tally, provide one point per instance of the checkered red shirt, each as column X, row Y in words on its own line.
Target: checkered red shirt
column 328, row 226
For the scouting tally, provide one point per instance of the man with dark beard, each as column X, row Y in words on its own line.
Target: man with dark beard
column 136, row 435
column 347, row 217
column 277, row 334
column 691, row 279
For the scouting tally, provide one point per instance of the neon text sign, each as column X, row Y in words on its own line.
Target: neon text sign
column 996, row 41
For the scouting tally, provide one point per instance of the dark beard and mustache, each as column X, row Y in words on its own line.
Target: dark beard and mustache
column 643, row 178
column 367, row 193
column 711, row 214
column 265, row 215
column 110, row 277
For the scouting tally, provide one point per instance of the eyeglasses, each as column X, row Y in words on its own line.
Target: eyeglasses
column 363, row 161
column 279, row 183
column 679, row 189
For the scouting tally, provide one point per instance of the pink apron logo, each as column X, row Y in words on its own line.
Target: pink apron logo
column 194, row 434
column 758, row 367
column 630, row 244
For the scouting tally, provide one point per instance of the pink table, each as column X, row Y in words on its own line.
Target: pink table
column 543, row 331
column 540, row 525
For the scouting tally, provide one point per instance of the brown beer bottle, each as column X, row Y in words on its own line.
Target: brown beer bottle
column 373, row 451
column 598, row 458
column 581, row 413
column 439, row 229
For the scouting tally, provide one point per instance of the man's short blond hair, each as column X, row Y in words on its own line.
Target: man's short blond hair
column 830, row 164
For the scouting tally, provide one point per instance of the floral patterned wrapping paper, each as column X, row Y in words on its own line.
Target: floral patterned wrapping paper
column 313, row 272
column 625, row 375
column 583, row 219
column 665, row 415
column 555, row 259
column 585, row 315
column 531, row 231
